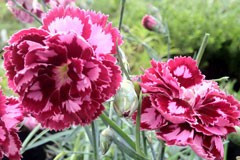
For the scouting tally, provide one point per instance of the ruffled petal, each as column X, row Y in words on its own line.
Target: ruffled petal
column 13, row 150
column 209, row 148
column 175, row 110
column 65, row 20
column 176, row 134
column 104, row 38
column 151, row 118
column 186, row 71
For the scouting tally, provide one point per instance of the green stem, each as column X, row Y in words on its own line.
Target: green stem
column 28, row 12
column 29, row 137
column 202, row 48
column 119, row 55
column 88, row 132
column 225, row 150
column 111, row 110
column 60, row 155
column 38, row 137
column 114, row 126
column 152, row 150
column 144, row 143
column 121, row 14
column 163, row 151
column 76, row 148
column 221, row 79
column 161, row 155
column 95, row 146
column 138, row 122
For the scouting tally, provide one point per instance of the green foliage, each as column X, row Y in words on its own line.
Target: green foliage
column 189, row 21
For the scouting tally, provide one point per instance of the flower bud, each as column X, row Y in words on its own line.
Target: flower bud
column 152, row 24
column 126, row 100
column 106, row 139
column 235, row 137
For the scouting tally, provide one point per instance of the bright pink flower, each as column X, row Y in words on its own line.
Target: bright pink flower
column 31, row 5
column 10, row 115
column 65, row 71
column 184, row 109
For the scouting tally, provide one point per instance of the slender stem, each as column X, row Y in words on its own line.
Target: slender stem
column 202, row 48
column 95, row 146
column 38, row 137
column 162, row 151
column 29, row 137
column 28, row 12
column 76, row 148
column 120, row 52
column 115, row 127
column 121, row 14
column 88, row 132
column 152, row 150
column 221, row 79
column 226, row 150
column 111, row 110
column 60, row 155
column 144, row 143
column 138, row 122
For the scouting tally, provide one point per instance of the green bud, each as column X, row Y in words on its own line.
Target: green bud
column 235, row 137
column 126, row 99
column 106, row 139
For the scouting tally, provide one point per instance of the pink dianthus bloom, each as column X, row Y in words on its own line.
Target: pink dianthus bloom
column 184, row 109
column 10, row 115
column 30, row 5
column 65, row 70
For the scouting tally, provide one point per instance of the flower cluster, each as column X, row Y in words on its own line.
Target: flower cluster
column 10, row 115
column 65, row 70
column 185, row 109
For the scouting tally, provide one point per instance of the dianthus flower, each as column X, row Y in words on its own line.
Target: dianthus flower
column 10, row 115
column 65, row 70
column 184, row 109
column 30, row 5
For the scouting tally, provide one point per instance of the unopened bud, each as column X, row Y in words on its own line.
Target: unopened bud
column 126, row 100
column 152, row 24
column 106, row 139
column 235, row 137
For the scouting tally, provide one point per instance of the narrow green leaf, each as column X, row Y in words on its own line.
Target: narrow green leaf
column 50, row 138
column 125, row 149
